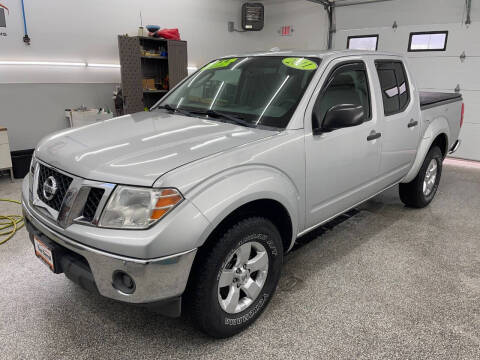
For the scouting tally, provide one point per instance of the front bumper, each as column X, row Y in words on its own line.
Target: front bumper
column 156, row 279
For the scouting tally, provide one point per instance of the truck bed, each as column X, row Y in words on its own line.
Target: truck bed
column 432, row 99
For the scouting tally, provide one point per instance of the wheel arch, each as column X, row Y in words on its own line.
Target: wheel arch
column 258, row 190
column 270, row 209
column 442, row 142
column 437, row 133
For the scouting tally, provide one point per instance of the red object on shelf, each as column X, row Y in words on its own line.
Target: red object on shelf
column 171, row 34
column 6, row 8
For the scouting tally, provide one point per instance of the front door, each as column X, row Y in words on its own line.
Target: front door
column 341, row 165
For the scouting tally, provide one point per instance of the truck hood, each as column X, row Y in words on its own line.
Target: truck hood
column 137, row 149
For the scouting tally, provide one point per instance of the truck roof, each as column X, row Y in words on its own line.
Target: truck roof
column 315, row 53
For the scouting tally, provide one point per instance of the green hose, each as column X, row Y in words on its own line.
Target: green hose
column 9, row 224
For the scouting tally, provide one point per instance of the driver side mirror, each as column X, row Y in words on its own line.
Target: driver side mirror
column 338, row 117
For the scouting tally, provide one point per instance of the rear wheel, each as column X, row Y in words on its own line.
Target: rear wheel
column 233, row 281
column 420, row 191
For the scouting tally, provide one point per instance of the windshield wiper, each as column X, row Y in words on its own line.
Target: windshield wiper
column 231, row 118
column 173, row 109
column 211, row 113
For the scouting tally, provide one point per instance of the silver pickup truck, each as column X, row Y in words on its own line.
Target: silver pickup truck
column 195, row 203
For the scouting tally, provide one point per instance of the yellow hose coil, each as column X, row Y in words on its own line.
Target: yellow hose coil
column 9, row 224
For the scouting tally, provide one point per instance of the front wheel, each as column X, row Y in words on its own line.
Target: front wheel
column 420, row 191
column 234, row 280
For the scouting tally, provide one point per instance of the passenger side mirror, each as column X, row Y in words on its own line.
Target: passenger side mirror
column 338, row 117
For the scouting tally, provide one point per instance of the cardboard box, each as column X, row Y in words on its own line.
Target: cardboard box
column 148, row 84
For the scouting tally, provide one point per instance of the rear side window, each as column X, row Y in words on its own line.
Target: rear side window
column 394, row 85
column 403, row 92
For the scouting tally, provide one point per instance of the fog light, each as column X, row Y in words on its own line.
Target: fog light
column 123, row 282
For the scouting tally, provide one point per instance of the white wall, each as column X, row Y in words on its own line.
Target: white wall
column 309, row 21
column 31, row 111
column 87, row 31
column 67, row 30
column 435, row 71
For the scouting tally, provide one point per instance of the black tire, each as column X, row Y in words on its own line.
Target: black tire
column 202, row 295
column 412, row 193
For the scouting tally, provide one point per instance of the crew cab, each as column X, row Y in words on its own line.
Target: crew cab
column 195, row 203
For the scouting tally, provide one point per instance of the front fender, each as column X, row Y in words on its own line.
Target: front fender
column 220, row 195
column 435, row 127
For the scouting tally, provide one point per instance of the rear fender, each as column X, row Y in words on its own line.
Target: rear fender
column 435, row 127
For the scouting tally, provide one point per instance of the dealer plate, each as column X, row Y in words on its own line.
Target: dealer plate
column 44, row 253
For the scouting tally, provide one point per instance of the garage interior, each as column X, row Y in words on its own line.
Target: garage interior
column 379, row 281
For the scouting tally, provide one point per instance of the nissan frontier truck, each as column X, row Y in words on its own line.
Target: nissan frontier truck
column 191, row 206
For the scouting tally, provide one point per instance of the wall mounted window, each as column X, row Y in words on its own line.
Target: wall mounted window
column 362, row 42
column 428, row 41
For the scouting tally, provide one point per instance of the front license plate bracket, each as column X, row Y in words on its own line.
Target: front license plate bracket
column 48, row 252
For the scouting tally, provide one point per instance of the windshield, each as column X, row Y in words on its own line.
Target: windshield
column 255, row 91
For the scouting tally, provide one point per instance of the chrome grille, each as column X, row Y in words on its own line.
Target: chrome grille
column 94, row 197
column 75, row 199
column 63, row 183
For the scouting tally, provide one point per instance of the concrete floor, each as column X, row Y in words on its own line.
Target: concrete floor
column 389, row 282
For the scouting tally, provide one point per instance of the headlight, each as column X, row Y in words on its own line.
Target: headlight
column 138, row 208
column 31, row 173
column 33, row 163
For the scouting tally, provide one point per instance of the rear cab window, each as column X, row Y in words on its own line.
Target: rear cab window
column 394, row 85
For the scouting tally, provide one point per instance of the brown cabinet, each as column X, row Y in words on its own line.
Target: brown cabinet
column 149, row 68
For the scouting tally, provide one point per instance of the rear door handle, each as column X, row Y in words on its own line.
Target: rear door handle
column 412, row 123
column 373, row 135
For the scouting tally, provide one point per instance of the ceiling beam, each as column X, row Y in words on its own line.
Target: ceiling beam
column 468, row 20
column 342, row 3
column 325, row 3
column 330, row 5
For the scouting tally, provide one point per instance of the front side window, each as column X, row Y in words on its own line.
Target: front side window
column 348, row 84
column 259, row 90
column 394, row 85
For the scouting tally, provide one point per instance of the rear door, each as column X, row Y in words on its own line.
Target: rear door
column 341, row 165
column 400, row 121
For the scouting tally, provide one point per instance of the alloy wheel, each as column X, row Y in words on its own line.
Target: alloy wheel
column 243, row 277
column 430, row 177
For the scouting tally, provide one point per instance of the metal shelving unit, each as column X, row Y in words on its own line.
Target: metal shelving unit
column 148, row 91
column 166, row 71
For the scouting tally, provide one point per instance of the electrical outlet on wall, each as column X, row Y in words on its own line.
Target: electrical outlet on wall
column 231, row 26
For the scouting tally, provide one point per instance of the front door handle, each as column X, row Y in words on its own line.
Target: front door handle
column 412, row 123
column 373, row 135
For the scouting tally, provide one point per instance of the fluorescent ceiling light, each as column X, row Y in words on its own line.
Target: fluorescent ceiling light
column 47, row 63
column 56, row 63
column 104, row 65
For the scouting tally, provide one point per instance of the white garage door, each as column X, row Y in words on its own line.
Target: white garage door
column 440, row 70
